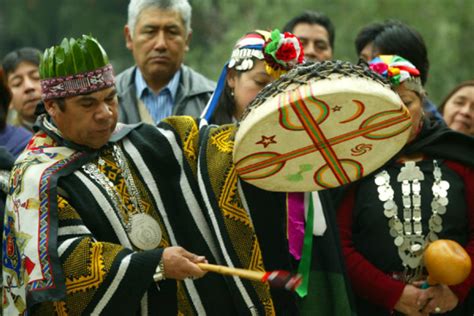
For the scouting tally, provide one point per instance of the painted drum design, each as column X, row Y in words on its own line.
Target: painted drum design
column 320, row 133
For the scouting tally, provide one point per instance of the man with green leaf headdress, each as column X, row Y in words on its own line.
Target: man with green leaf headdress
column 96, row 209
column 71, row 236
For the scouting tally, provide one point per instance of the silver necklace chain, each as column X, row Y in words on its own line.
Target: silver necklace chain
column 143, row 230
column 94, row 172
column 408, row 235
column 127, row 176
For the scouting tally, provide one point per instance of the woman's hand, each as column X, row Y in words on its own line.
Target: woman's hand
column 410, row 302
column 440, row 299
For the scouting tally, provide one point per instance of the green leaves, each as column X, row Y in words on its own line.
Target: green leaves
column 97, row 53
column 78, row 56
column 73, row 57
column 46, row 67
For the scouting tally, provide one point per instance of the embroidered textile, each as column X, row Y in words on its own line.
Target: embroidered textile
column 93, row 227
column 83, row 83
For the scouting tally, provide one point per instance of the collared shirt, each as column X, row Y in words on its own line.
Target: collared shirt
column 159, row 105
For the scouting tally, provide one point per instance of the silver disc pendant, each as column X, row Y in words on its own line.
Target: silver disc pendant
column 441, row 209
column 432, row 236
column 145, row 232
column 379, row 180
column 399, row 241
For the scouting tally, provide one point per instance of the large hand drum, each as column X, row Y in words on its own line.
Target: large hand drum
column 320, row 126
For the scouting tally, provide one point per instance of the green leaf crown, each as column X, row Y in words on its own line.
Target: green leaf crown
column 71, row 57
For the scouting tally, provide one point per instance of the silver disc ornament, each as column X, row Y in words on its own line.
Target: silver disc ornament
column 145, row 232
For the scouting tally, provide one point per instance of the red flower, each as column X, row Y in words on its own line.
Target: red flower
column 286, row 52
column 379, row 68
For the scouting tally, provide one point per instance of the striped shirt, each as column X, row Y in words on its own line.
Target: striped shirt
column 159, row 105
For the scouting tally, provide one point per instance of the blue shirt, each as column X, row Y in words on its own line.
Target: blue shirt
column 159, row 105
column 14, row 139
column 431, row 108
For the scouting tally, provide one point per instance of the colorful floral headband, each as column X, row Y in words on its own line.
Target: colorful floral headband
column 397, row 70
column 246, row 49
column 281, row 52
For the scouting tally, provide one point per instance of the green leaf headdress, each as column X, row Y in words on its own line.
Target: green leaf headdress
column 76, row 66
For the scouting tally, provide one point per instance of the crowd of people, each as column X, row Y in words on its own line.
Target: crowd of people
column 115, row 189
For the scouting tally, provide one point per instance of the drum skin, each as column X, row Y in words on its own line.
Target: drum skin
column 321, row 134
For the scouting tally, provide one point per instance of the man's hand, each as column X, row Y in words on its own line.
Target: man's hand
column 409, row 302
column 180, row 264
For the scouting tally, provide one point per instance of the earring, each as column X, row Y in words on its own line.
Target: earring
column 232, row 92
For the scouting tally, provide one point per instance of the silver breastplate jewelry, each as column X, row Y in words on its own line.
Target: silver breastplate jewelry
column 142, row 229
column 408, row 235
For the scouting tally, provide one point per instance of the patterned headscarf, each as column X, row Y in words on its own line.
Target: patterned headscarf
column 75, row 67
column 280, row 51
column 397, row 70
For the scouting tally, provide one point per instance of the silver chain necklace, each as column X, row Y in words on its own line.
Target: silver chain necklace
column 143, row 230
column 408, row 235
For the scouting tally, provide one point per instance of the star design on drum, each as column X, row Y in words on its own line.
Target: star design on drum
column 266, row 141
column 336, row 108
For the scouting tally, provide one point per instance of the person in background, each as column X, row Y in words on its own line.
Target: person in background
column 20, row 69
column 12, row 138
column 383, row 235
column 316, row 32
column 364, row 40
column 458, row 108
column 393, row 37
column 158, row 34
column 250, row 68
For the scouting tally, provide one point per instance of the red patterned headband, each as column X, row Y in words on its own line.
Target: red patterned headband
column 83, row 83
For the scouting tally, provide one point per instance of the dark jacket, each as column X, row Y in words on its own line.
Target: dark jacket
column 6, row 163
column 193, row 93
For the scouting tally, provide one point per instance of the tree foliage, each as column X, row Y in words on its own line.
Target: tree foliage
column 446, row 26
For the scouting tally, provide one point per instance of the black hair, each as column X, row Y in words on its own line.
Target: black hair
column 313, row 17
column 5, row 98
column 394, row 37
column 225, row 109
column 367, row 35
column 400, row 39
column 25, row 54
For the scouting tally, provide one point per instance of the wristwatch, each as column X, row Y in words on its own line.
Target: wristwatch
column 160, row 272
